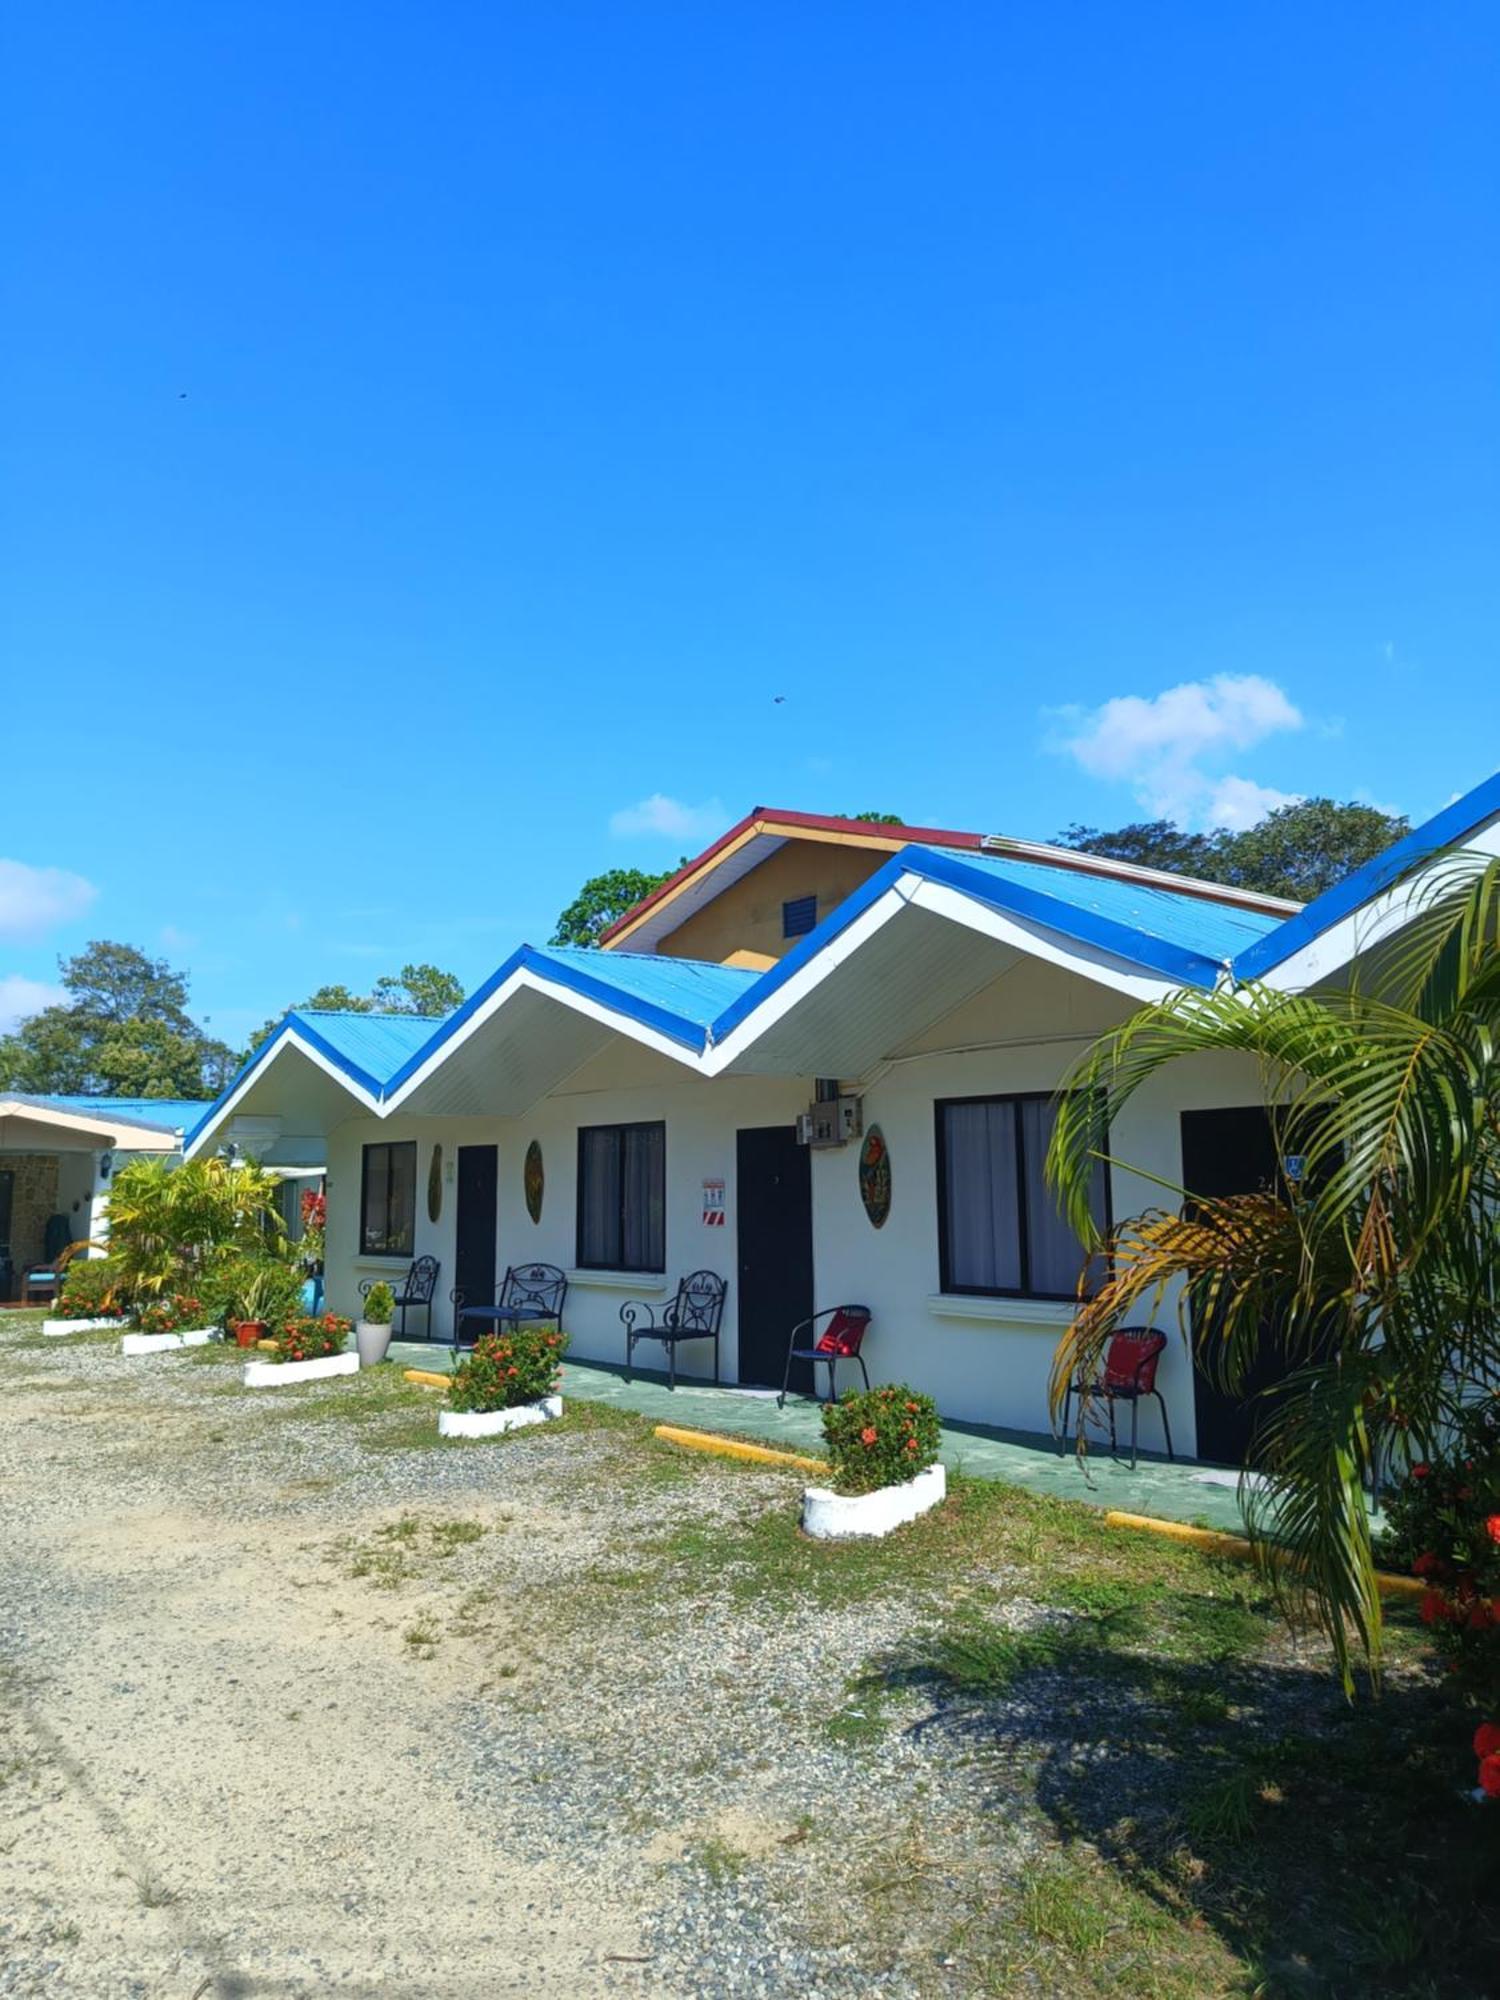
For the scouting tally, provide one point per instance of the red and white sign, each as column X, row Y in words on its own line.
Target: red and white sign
column 713, row 1204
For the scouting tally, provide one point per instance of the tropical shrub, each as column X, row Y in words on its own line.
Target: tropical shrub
column 519, row 1366
column 310, row 1336
column 168, row 1225
column 380, row 1305
column 880, row 1437
column 314, row 1226
column 91, row 1290
column 169, row 1315
column 1443, row 1523
column 255, row 1288
column 1369, row 1280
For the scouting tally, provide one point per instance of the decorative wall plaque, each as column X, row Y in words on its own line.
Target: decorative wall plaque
column 875, row 1177
column 435, row 1185
column 534, row 1180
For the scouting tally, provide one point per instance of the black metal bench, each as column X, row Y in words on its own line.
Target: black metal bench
column 528, row 1292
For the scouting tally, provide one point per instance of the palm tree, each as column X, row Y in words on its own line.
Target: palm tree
column 1374, row 1278
column 168, row 1223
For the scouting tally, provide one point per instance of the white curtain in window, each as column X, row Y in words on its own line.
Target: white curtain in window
column 1055, row 1253
column 599, row 1197
column 979, row 1160
column 643, row 1219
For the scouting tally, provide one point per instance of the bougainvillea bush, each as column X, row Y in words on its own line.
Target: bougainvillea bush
column 880, row 1437
column 1443, row 1523
column 91, row 1289
column 311, row 1336
column 171, row 1314
column 519, row 1366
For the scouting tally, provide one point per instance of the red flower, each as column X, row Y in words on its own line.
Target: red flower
column 1487, row 1740
column 1489, row 1776
column 1426, row 1564
column 1420, row 1471
column 869, row 1434
column 1492, row 1527
column 1481, row 1617
column 1434, row 1607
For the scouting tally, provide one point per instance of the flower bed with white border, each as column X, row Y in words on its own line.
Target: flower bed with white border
column 272, row 1374
column 160, row 1343
column 491, row 1423
column 59, row 1329
column 830, row 1516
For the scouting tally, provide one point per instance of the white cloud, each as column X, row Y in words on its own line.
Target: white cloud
column 1240, row 802
column 20, row 998
column 1161, row 744
column 34, row 900
column 669, row 819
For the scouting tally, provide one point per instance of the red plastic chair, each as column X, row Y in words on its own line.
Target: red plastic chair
column 839, row 1341
column 1129, row 1375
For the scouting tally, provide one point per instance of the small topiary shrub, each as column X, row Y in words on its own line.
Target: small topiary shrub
column 91, row 1289
column 311, row 1336
column 170, row 1315
column 880, row 1437
column 520, row 1366
column 380, row 1305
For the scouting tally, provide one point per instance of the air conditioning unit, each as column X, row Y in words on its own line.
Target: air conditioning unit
column 832, row 1121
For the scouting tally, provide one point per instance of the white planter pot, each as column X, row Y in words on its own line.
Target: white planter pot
column 372, row 1340
column 58, row 1329
column 275, row 1374
column 831, row 1517
column 491, row 1423
column 159, row 1343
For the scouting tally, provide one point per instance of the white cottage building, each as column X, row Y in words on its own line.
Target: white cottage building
column 818, row 1061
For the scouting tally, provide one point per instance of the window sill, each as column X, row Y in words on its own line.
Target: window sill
column 1052, row 1313
column 381, row 1260
column 645, row 1283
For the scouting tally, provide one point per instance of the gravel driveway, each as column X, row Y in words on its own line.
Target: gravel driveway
column 297, row 1705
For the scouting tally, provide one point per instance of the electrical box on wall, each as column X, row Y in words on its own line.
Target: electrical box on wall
column 832, row 1121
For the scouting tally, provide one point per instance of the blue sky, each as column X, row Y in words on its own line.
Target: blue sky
column 433, row 433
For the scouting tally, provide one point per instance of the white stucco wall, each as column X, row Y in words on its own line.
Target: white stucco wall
column 984, row 1360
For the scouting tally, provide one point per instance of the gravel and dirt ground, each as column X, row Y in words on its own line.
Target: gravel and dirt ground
column 296, row 1701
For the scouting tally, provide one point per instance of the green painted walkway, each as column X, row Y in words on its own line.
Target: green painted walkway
column 1180, row 1492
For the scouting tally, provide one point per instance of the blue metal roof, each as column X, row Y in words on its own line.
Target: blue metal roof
column 369, row 1047
column 1445, row 829
column 170, row 1113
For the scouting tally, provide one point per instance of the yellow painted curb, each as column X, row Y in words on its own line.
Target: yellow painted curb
column 425, row 1378
column 1218, row 1543
column 722, row 1447
column 266, row 1346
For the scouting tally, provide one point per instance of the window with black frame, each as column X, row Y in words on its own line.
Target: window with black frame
column 388, row 1200
column 622, row 1197
column 1001, row 1232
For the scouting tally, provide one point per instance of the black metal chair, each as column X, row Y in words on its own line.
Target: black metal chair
column 839, row 1341
column 416, row 1289
column 695, row 1313
column 527, row 1292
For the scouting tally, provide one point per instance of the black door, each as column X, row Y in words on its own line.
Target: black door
column 1229, row 1152
column 474, row 1250
column 773, row 1210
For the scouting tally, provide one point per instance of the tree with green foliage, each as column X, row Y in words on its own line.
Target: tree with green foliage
column 416, row 989
column 123, row 1031
column 1371, row 1280
column 1297, row 851
column 603, row 900
column 878, row 819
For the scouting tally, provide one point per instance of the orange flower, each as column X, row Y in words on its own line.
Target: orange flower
column 869, row 1434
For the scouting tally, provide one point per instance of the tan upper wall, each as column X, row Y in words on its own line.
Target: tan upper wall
column 746, row 917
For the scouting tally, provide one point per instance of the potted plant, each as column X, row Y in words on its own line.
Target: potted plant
column 373, row 1333
column 509, row 1380
column 883, row 1446
column 255, row 1294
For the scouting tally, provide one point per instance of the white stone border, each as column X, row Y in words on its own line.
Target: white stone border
column 491, row 1423
column 59, row 1329
column 272, row 1374
column 830, row 1516
column 160, row 1343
